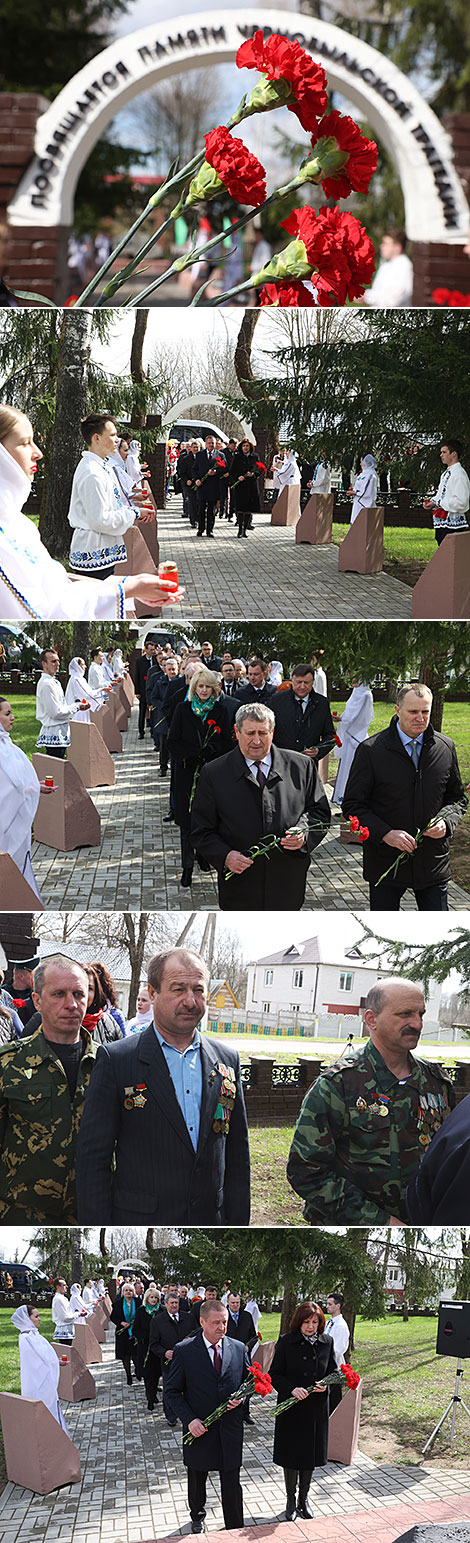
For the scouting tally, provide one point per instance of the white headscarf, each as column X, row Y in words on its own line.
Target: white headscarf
column 76, row 1301
column 142, row 1020
column 39, row 1365
column 18, row 804
column 133, row 465
column 289, row 473
column 78, row 690
column 32, row 584
column 365, row 487
column 118, row 663
column 276, row 673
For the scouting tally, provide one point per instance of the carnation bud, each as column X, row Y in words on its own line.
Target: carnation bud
column 292, row 263
column 329, row 157
column 206, row 185
column 264, row 96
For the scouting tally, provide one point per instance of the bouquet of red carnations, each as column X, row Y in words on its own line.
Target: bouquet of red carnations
column 346, row 1376
column 256, row 1381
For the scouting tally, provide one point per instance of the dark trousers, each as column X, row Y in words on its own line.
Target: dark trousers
column 205, row 513
column 102, row 573
column 244, row 519
column 59, row 754
column 231, row 1495
column 151, row 1375
column 386, row 897
column 142, row 712
column 187, row 849
column 441, row 534
column 335, row 1394
column 192, row 506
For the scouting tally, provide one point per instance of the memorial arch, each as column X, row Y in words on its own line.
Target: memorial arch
column 204, row 399
column 436, row 209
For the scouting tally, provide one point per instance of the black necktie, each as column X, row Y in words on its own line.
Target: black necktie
column 217, row 1360
column 260, row 777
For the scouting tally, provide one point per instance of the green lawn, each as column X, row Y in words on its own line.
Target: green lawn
column 406, row 1386
column 406, row 550
column 274, row 1202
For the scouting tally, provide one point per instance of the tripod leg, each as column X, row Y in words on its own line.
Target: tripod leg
column 437, row 1427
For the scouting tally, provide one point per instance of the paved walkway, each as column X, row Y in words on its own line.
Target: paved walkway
column 138, row 864
column 133, row 1486
column 269, row 576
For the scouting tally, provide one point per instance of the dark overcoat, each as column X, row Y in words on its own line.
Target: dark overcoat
column 246, row 494
column 244, row 1330
column 301, row 1433
column 387, row 792
column 125, row 1343
column 165, row 1334
column 299, row 730
column 192, row 743
column 231, row 812
column 193, row 1390
column 213, row 486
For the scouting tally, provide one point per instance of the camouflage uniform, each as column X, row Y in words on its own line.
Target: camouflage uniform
column 361, row 1134
column 38, row 1130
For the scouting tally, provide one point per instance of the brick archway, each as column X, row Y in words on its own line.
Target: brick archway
column 39, row 189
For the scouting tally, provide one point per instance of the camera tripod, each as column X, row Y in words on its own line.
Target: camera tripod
column 452, row 1405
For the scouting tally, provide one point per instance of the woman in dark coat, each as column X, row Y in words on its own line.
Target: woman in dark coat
column 123, row 1316
column 303, row 1356
column 246, row 492
column 98, row 1020
column 199, row 732
column 147, row 1366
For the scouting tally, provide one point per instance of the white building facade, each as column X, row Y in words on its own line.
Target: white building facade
column 320, row 987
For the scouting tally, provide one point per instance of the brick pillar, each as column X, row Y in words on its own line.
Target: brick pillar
column 33, row 254
column 436, row 265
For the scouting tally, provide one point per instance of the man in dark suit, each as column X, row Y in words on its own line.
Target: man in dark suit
column 256, row 687
column 303, row 717
column 399, row 781
column 165, row 1140
column 211, row 1295
column 209, row 483
column 229, row 684
column 142, row 669
column 240, row 1326
column 253, row 792
column 204, row 1372
column 439, row 1192
column 167, row 1329
column 208, row 656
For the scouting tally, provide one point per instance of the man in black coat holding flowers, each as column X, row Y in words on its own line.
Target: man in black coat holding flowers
column 259, row 794
column 205, row 1372
column 400, row 781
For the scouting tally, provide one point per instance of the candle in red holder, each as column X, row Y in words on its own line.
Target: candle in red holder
column 64, row 1359
column 49, row 782
column 169, row 571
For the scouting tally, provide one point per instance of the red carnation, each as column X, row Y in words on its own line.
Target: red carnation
column 451, row 297
column 338, row 742
column 354, row 822
column 19, row 1001
column 220, row 462
column 241, row 173
column 261, row 467
column 210, row 723
column 361, row 152
column 364, row 833
column 289, row 292
column 352, row 1377
column 280, row 59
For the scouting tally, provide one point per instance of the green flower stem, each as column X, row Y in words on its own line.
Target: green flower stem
column 126, row 273
column 174, row 183
column 196, row 255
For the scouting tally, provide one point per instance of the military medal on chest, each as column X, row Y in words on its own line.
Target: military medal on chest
column 226, row 1101
column 135, row 1097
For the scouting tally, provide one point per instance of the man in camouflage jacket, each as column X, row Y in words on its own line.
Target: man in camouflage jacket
column 367, row 1122
column 43, row 1081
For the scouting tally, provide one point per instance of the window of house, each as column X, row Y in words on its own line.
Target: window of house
column 268, row 977
column 266, row 1007
column 346, row 981
column 294, row 1007
column 297, row 978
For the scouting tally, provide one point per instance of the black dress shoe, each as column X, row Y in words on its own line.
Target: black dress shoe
column 210, row 535
column 167, row 819
column 247, row 1420
column 197, row 1526
column 304, row 1510
column 186, row 878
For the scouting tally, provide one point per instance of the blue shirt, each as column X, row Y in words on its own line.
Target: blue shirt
column 185, row 1070
column 408, row 742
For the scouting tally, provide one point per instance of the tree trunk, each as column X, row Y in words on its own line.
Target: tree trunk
column 71, row 394
column 136, row 946
column 103, row 1249
column 288, row 1308
column 150, row 1239
column 247, row 380
column 77, row 1257
column 139, row 405
column 81, row 640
